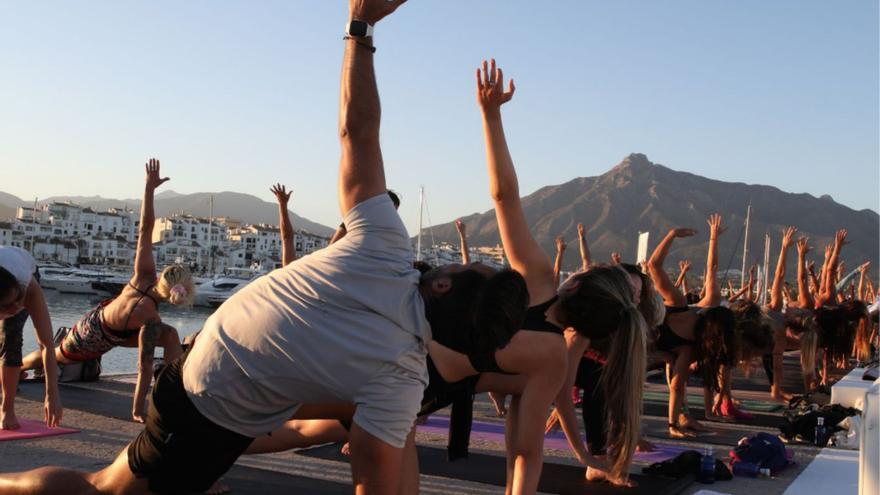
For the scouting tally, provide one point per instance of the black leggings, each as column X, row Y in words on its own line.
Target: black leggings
column 593, row 407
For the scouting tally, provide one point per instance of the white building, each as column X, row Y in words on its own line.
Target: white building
column 68, row 220
column 55, row 249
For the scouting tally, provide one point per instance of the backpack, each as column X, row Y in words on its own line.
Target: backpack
column 764, row 450
column 82, row 371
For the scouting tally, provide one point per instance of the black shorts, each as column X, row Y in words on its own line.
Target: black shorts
column 11, row 340
column 181, row 451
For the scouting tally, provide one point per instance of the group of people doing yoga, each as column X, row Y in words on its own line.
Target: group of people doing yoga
column 357, row 340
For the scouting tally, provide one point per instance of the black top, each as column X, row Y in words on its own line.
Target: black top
column 536, row 319
column 667, row 339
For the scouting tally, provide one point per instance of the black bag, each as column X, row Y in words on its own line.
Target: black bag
column 82, row 371
column 688, row 462
column 800, row 419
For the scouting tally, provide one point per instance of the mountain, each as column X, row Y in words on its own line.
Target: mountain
column 9, row 205
column 640, row 196
column 244, row 207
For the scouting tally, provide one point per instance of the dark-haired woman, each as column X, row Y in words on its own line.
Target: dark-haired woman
column 704, row 334
column 592, row 306
column 20, row 297
column 131, row 319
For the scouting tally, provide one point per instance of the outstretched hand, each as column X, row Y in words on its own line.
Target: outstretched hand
column 372, row 11
column 840, row 238
column 788, row 236
column 581, row 230
column 560, row 243
column 802, row 245
column 490, row 88
column 863, row 268
column 615, row 258
column 684, row 265
column 715, row 228
column 281, row 193
column 153, row 179
column 460, row 227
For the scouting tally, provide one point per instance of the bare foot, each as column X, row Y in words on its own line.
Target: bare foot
column 596, row 475
column 346, row 449
column 645, row 446
column 690, row 424
column 8, row 421
column 676, row 432
column 217, row 488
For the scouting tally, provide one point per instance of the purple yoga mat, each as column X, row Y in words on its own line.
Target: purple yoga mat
column 494, row 432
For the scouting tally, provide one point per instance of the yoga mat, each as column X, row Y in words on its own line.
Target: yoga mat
column 33, row 429
column 555, row 478
column 494, row 432
column 697, row 401
column 244, row 480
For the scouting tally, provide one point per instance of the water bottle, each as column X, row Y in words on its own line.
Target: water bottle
column 765, row 472
column 707, row 467
column 820, row 436
column 742, row 468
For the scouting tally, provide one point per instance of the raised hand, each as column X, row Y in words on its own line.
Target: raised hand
column 788, row 236
column 715, row 228
column 372, row 11
column 829, row 248
column 811, row 267
column 490, row 88
column 460, row 227
column 863, row 268
column 803, row 246
column 282, row 195
column 683, row 232
column 615, row 258
column 581, row 230
column 153, row 179
column 684, row 265
column 560, row 243
column 840, row 238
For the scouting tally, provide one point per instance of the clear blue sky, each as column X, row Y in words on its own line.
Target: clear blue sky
column 239, row 95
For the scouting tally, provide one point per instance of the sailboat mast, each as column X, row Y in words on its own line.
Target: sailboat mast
column 746, row 246
column 210, row 234
column 421, row 211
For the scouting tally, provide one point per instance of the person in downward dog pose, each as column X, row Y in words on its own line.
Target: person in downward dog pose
column 131, row 319
column 20, row 297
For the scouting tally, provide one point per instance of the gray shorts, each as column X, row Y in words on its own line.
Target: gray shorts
column 11, row 330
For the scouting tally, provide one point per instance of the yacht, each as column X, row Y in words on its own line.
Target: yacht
column 214, row 292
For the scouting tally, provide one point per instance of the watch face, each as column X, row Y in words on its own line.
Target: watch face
column 357, row 28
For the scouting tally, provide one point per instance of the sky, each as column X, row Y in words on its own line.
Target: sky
column 238, row 95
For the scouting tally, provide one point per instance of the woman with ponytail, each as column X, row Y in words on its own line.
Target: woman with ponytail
column 131, row 319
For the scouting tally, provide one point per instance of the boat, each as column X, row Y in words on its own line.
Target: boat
column 217, row 290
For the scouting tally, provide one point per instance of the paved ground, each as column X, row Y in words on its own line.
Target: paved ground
column 100, row 411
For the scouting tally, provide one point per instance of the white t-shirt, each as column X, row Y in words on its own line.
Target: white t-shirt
column 19, row 263
column 344, row 324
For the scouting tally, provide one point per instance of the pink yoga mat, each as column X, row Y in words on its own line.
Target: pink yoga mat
column 33, row 429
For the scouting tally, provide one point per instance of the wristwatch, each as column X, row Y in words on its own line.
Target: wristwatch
column 359, row 29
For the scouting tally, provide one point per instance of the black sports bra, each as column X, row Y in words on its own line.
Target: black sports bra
column 536, row 318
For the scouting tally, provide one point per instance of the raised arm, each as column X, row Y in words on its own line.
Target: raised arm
column 823, row 273
column 144, row 264
column 710, row 282
column 282, row 195
column 662, row 282
column 683, row 267
column 35, row 303
column 462, row 236
column 813, row 279
column 585, row 249
column 829, row 293
column 779, row 276
column 750, row 295
column 361, row 170
column 523, row 252
column 862, row 293
column 805, row 298
column 560, row 254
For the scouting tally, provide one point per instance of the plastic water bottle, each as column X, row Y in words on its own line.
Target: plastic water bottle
column 742, row 468
column 707, row 467
column 820, row 436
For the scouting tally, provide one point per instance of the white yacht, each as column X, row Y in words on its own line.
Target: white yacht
column 217, row 290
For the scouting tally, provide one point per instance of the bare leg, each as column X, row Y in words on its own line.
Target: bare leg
column 116, row 479
column 409, row 479
column 9, row 376
column 34, row 360
column 299, row 433
column 375, row 465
